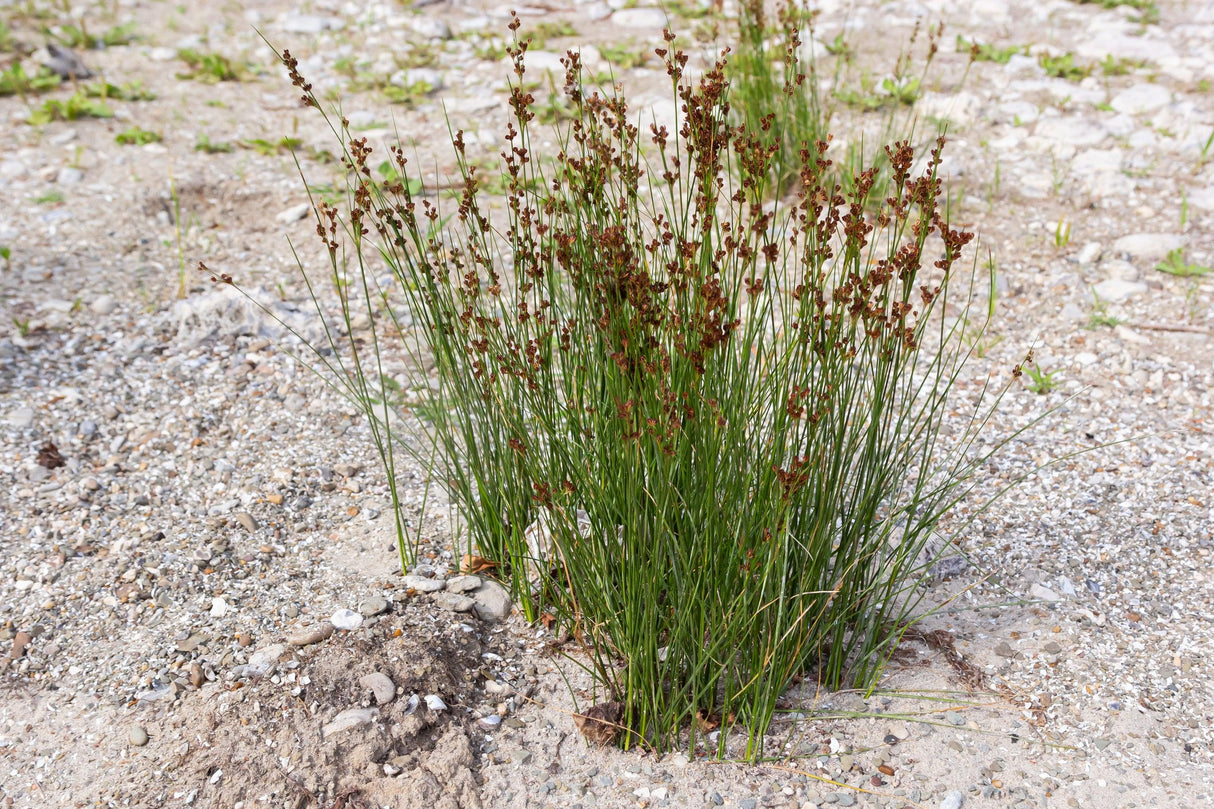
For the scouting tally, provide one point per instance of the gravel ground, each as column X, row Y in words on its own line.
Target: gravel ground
column 186, row 512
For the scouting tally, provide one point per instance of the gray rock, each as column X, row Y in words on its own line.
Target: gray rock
column 381, row 686
column 492, row 602
column 69, row 175
column 373, row 605
column 349, row 719
column 1071, row 131
column 346, row 619
column 424, row 585
column 1148, row 246
column 453, row 602
column 463, row 584
column 137, row 736
column 306, row 636
column 246, row 520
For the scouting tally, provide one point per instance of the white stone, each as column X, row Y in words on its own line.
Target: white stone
column 1089, row 253
column 651, row 19
column 103, row 305
column 219, row 607
column 348, row 719
column 294, row 213
column 380, row 685
column 435, row 703
column 492, row 602
column 1116, row 291
column 422, row 584
column 1072, row 131
column 1141, row 98
column 953, row 800
column 1148, row 246
column 310, row 24
column 346, row 619
column 1039, row 592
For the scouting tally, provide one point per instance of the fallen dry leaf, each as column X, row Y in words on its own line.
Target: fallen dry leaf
column 475, row 564
column 601, row 723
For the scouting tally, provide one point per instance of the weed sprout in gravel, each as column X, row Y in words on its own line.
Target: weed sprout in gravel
column 698, row 429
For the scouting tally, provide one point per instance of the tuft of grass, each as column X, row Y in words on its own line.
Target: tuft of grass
column 6, row 253
column 77, row 36
column 701, row 432
column 985, row 52
column 136, row 136
column 1100, row 314
column 15, row 81
column 1063, row 67
column 1175, row 264
column 212, row 68
column 204, row 144
column 1116, row 66
column 79, row 105
column 50, row 198
column 623, row 56
column 1062, row 233
column 268, row 148
column 552, row 29
column 1040, row 381
column 131, row 91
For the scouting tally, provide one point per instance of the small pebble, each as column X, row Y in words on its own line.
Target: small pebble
column 381, row 686
column 346, row 619
column 138, row 737
column 308, row 635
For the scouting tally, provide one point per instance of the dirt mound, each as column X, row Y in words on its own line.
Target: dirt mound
column 311, row 731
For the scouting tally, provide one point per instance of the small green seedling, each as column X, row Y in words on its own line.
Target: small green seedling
column 1175, row 264
column 14, row 81
column 205, row 144
column 23, row 326
column 984, row 52
column 1041, row 382
column 78, row 106
column 6, row 253
column 1063, row 67
column 49, row 198
column 79, row 37
column 1062, row 233
column 272, row 147
column 1100, row 314
column 131, row 91
column 1113, row 66
column 212, row 68
column 136, row 136
column 624, row 56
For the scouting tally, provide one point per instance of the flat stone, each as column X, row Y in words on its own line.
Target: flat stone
column 1115, row 291
column 435, row 703
column 294, row 213
column 492, row 602
column 1072, row 131
column 69, row 175
column 1141, row 98
column 219, row 607
column 380, row 685
column 264, row 661
column 1148, row 246
column 453, row 602
column 1039, row 592
column 463, row 584
column 306, row 636
column 373, row 605
column 103, row 305
column 20, row 417
column 137, row 736
column 346, row 619
column 246, row 520
column 953, row 800
column 349, row 719
column 310, row 24
column 652, row 19
column 424, row 585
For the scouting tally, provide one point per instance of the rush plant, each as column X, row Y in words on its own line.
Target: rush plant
column 697, row 427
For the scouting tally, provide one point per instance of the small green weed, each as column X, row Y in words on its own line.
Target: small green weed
column 212, row 68
column 204, row 144
column 6, row 253
column 75, row 36
column 14, row 81
column 1062, row 233
column 283, row 145
column 1100, row 314
column 624, row 56
column 1040, row 381
column 1114, row 66
column 137, row 137
column 50, row 198
column 23, row 326
column 1175, row 264
column 1149, row 11
column 1063, row 67
column 131, row 91
column 985, row 52
column 541, row 33
column 409, row 95
column 77, row 106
